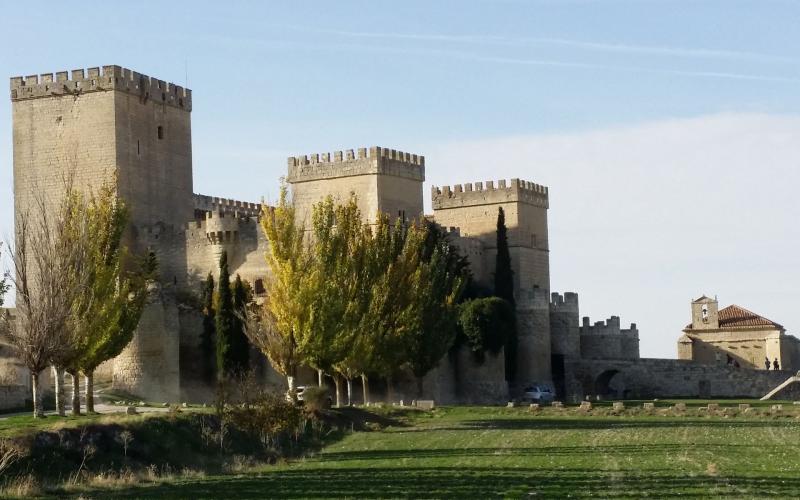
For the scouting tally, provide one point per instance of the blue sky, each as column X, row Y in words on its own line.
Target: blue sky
column 639, row 115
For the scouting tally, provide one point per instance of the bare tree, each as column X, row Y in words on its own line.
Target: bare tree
column 46, row 253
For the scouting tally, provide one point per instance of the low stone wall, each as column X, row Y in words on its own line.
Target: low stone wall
column 651, row 378
column 13, row 397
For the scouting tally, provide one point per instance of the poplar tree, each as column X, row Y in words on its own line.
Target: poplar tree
column 107, row 310
column 504, row 288
column 275, row 327
column 437, row 288
column 225, row 320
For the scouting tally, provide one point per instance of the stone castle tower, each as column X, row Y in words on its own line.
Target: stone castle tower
column 473, row 209
column 112, row 124
column 385, row 181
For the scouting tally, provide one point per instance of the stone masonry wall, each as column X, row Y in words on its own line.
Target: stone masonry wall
column 473, row 209
column 606, row 340
column 662, row 378
column 382, row 179
column 13, row 397
column 564, row 325
column 148, row 367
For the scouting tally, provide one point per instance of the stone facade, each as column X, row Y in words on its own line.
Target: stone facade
column 736, row 335
column 473, row 209
column 648, row 378
column 606, row 340
column 13, row 397
column 113, row 124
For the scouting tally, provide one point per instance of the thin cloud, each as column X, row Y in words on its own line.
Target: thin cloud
column 471, row 56
column 581, row 44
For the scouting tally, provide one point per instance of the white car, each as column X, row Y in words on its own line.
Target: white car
column 538, row 394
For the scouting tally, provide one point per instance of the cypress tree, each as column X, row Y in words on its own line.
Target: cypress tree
column 225, row 320
column 503, row 274
column 239, row 354
column 504, row 288
column 209, row 327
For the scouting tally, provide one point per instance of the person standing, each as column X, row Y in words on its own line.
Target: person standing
column 775, row 365
column 766, row 363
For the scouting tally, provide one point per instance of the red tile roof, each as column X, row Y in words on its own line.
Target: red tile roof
column 734, row 316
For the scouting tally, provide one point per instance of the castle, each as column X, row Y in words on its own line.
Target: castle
column 113, row 123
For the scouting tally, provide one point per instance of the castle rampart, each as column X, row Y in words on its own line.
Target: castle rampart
column 607, row 340
column 374, row 160
column 479, row 193
column 98, row 80
column 205, row 203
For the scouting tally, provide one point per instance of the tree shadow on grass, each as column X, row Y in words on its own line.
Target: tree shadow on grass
column 541, row 451
column 598, row 423
column 468, row 482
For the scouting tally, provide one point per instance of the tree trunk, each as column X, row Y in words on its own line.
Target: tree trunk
column 419, row 387
column 338, row 383
column 320, row 377
column 38, row 411
column 349, row 391
column 89, row 377
column 58, row 377
column 365, row 387
column 389, row 389
column 291, row 392
column 76, row 393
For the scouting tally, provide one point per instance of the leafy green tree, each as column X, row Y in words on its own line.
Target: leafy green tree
column 438, row 287
column 225, row 320
column 487, row 324
column 208, row 339
column 334, row 287
column 504, row 288
column 275, row 326
column 239, row 353
column 392, row 317
column 108, row 310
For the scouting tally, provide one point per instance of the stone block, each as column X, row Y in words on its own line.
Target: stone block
column 744, row 406
column 131, row 410
column 534, row 407
column 425, row 404
column 511, row 404
column 777, row 408
column 557, row 404
column 648, row 406
column 618, row 405
column 680, row 406
column 712, row 406
column 586, row 406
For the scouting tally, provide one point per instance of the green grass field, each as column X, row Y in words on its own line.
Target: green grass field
column 499, row 452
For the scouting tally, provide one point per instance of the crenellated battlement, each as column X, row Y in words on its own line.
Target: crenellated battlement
column 568, row 302
column 214, row 204
column 97, row 79
column 363, row 161
column 480, row 193
column 611, row 326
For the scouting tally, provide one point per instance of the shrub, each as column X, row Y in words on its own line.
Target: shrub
column 487, row 324
column 261, row 413
column 316, row 399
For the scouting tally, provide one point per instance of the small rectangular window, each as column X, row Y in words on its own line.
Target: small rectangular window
column 138, row 148
column 160, row 132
